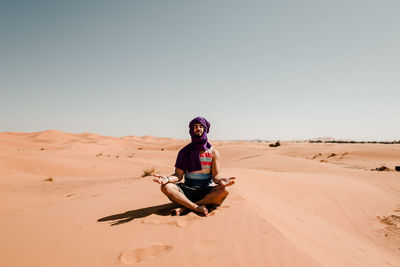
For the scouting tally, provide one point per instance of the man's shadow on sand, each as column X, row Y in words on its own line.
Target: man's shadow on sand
column 162, row 210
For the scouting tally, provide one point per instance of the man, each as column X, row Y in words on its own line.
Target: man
column 198, row 162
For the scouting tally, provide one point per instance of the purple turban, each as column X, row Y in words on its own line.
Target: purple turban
column 189, row 157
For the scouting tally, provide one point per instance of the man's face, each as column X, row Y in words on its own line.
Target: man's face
column 198, row 129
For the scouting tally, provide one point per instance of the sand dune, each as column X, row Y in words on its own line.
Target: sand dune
column 80, row 200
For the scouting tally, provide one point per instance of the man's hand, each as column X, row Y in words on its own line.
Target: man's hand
column 161, row 179
column 227, row 181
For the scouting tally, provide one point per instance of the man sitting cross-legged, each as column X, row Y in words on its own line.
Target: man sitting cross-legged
column 198, row 162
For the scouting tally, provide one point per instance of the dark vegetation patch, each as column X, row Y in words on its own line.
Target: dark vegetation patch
column 382, row 169
column 276, row 144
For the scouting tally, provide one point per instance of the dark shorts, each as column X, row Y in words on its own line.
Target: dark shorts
column 194, row 194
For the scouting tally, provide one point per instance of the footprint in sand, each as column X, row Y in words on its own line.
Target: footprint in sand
column 132, row 256
column 157, row 220
column 178, row 221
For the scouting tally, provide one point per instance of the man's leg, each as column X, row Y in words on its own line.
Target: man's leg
column 175, row 195
column 215, row 197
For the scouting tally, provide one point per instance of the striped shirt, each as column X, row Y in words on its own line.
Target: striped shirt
column 203, row 177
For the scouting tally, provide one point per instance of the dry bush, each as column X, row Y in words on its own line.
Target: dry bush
column 276, row 144
column 148, row 172
column 381, row 169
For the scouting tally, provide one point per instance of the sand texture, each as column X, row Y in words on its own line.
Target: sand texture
column 80, row 200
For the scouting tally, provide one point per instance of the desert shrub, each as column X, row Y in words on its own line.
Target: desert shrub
column 276, row 144
column 148, row 172
column 381, row 169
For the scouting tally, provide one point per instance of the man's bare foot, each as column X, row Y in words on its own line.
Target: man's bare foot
column 202, row 210
column 179, row 211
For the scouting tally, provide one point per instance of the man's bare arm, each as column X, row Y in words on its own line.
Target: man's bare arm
column 177, row 176
column 215, row 166
column 215, row 171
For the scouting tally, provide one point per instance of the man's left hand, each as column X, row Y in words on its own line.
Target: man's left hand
column 227, row 181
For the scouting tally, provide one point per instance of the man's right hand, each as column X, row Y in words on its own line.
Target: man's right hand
column 161, row 179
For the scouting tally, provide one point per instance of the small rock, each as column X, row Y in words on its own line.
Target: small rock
column 319, row 154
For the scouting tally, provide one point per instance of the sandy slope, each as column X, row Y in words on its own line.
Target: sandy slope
column 295, row 205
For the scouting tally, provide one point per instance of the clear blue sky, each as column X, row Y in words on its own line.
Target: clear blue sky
column 254, row 69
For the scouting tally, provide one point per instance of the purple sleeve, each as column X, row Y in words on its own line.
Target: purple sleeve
column 180, row 161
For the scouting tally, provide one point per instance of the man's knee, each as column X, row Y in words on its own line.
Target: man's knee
column 167, row 188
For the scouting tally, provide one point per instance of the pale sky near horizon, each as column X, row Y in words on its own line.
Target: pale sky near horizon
column 255, row 69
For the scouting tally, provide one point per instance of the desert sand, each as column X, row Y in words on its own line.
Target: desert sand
column 80, row 200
